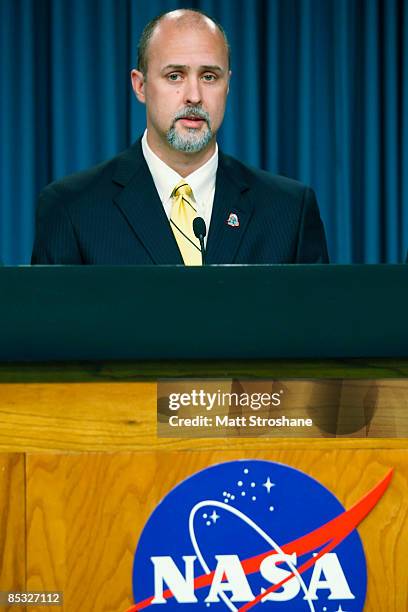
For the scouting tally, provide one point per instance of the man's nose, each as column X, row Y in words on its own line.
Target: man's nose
column 192, row 92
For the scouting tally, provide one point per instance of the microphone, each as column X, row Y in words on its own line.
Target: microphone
column 200, row 232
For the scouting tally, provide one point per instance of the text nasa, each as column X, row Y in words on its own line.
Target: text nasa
column 229, row 577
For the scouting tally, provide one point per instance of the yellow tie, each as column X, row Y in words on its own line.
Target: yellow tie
column 183, row 212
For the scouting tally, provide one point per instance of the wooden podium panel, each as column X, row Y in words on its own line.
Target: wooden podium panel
column 85, row 513
column 82, row 469
column 121, row 416
column 12, row 522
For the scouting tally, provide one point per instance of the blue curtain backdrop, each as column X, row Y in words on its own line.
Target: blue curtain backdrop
column 319, row 92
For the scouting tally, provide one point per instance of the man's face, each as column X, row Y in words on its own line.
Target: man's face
column 186, row 85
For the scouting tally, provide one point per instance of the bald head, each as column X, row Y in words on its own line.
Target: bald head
column 182, row 19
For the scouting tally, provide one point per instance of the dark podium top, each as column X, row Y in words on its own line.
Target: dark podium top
column 216, row 312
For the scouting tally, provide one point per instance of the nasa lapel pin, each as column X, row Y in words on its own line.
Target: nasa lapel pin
column 233, row 220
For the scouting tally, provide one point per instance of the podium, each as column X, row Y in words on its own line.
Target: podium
column 81, row 465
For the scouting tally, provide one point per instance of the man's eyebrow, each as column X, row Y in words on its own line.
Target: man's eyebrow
column 209, row 67
column 214, row 68
column 175, row 67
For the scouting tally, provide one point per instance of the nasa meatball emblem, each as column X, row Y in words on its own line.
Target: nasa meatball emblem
column 246, row 533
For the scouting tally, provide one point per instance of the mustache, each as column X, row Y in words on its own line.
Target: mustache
column 192, row 111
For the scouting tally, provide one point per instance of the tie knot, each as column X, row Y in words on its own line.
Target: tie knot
column 182, row 189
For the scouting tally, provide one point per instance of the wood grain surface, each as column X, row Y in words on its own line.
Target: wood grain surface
column 85, row 513
column 122, row 417
column 86, row 469
column 12, row 525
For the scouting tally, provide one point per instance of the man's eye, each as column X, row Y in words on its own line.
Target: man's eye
column 209, row 77
column 174, row 76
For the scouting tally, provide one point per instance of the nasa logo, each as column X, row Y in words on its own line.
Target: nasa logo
column 243, row 533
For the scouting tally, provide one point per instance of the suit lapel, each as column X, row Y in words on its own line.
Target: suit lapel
column 141, row 205
column 231, row 205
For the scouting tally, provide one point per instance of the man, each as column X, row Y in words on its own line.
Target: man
column 139, row 207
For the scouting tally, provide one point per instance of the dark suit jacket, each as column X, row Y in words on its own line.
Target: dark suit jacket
column 112, row 214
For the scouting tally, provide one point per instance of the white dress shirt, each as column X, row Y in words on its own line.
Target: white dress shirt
column 201, row 181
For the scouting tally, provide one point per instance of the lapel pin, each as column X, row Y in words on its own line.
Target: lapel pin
column 233, row 220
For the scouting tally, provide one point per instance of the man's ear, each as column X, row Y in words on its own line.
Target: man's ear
column 138, row 84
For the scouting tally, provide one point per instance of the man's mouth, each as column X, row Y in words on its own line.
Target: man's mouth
column 191, row 121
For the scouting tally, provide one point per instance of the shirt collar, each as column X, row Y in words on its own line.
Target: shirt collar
column 165, row 178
